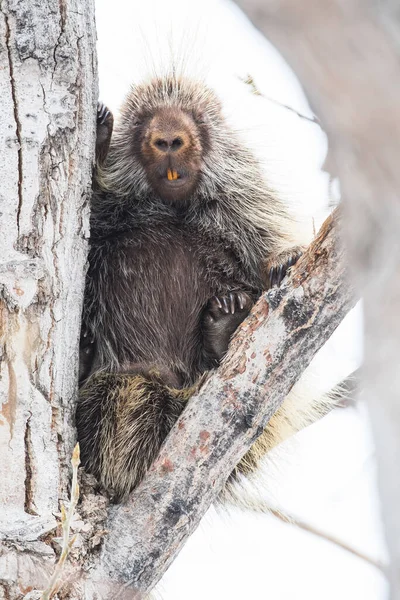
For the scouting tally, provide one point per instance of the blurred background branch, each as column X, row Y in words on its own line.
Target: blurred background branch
column 346, row 53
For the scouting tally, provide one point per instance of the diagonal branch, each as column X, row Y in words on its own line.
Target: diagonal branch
column 268, row 355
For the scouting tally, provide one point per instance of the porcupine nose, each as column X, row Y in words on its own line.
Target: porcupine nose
column 171, row 143
column 170, row 131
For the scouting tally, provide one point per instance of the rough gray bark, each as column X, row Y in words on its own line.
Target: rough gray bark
column 48, row 101
column 268, row 355
column 346, row 53
column 48, row 94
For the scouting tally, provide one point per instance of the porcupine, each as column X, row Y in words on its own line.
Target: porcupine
column 185, row 235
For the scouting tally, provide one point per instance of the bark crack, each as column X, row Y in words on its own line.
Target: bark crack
column 29, row 505
column 54, row 295
column 63, row 17
column 6, row 590
column 16, row 118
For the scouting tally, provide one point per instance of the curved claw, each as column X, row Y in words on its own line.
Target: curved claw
column 225, row 306
column 102, row 113
column 218, row 301
column 281, row 273
column 242, row 300
column 232, row 303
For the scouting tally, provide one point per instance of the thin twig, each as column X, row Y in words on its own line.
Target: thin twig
column 291, row 520
column 66, row 520
column 250, row 81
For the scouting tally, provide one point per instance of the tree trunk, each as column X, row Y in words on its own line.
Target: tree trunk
column 48, row 95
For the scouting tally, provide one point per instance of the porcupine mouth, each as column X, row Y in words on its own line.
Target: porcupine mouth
column 174, row 179
column 175, row 186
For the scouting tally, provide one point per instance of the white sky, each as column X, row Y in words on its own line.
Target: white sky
column 328, row 477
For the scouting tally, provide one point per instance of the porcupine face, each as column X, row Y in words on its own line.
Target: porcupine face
column 169, row 126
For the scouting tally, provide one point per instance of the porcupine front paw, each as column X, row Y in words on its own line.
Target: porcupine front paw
column 105, row 123
column 221, row 318
column 277, row 271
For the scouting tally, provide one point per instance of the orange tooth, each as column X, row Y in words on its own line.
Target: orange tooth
column 172, row 175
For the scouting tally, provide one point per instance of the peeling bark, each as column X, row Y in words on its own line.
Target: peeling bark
column 273, row 347
column 48, row 95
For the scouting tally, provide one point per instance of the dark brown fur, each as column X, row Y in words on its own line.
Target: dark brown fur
column 173, row 269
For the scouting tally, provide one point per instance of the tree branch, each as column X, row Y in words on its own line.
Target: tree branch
column 347, row 56
column 271, row 350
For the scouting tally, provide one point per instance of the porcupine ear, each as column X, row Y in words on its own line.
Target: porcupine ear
column 105, row 123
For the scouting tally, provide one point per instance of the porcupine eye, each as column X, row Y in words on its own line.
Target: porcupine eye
column 199, row 119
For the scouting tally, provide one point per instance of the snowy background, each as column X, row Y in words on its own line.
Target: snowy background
column 326, row 475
